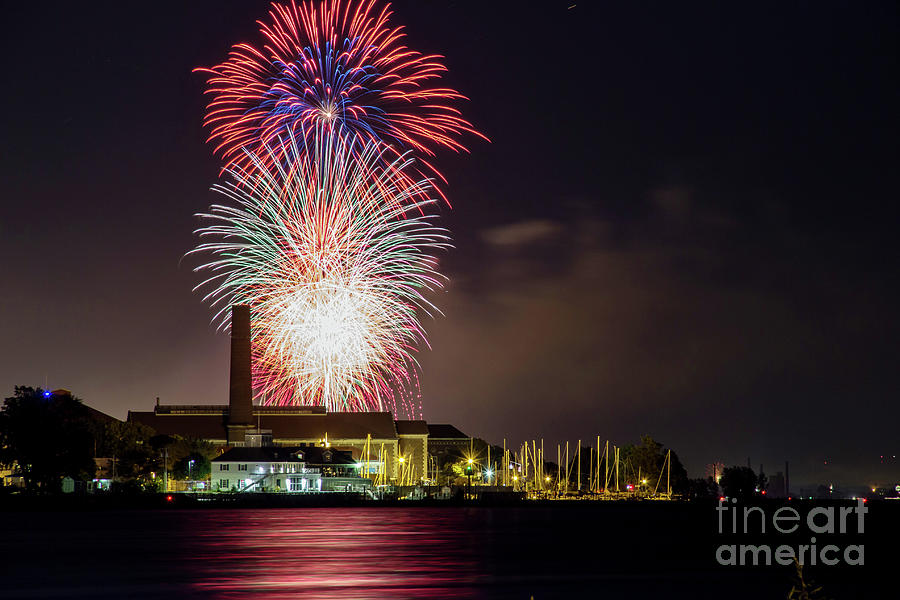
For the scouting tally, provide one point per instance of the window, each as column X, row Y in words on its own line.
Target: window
column 223, row 484
column 242, row 467
column 223, row 467
column 296, row 484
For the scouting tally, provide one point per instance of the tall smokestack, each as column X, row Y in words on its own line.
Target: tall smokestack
column 240, row 400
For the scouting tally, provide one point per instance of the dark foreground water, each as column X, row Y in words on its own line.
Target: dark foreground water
column 613, row 550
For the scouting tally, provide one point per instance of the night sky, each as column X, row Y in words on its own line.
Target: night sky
column 684, row 224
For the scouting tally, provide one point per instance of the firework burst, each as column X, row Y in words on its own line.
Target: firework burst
column 336, row 65
column 317, row 241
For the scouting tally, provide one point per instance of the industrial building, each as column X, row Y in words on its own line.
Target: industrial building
column 399, row 449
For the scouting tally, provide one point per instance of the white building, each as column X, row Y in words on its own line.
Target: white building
column 287, row 469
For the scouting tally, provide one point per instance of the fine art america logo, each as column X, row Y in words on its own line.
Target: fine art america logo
column 787, row 521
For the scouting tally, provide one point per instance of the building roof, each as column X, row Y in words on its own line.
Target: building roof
column 258, row 454
column 336, row 425
column 100, row 416
column 445, row 431
column 261, row 454
column 287, row 424
column 411, row 427
column 203, row 427
column 95, row 415
column 314, row 455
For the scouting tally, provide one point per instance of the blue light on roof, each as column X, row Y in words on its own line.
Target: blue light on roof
column 46, row 394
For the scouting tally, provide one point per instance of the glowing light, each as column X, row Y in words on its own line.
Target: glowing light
column 47, row 394
column 402, row 460
column 322, row 248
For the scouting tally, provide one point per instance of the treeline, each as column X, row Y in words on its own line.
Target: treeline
column 47, row 436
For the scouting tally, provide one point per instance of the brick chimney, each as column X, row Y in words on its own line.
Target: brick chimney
column 240, row 400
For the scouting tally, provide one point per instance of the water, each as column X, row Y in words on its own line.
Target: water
column 380, row 553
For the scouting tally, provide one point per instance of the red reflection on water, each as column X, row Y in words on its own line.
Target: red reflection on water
column 348, row 553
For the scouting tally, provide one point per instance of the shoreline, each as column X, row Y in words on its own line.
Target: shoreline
column 181, row 500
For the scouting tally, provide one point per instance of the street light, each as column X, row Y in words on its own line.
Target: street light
column 190, row 469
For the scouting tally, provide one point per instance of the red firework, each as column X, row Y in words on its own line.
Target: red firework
column 336, row 64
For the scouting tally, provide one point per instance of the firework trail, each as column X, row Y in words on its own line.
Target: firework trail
column 317, row 241
column 338, row 65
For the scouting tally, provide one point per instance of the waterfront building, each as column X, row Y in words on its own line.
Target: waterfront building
column 273, row 469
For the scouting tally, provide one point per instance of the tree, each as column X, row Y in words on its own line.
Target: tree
column 49, row 436
column 184, row 450
column 738, row 482
column 649, row 459
column 130, row 445
column 701, row 488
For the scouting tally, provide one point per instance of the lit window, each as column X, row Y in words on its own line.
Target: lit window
column 223, row 484
column 223, row 467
